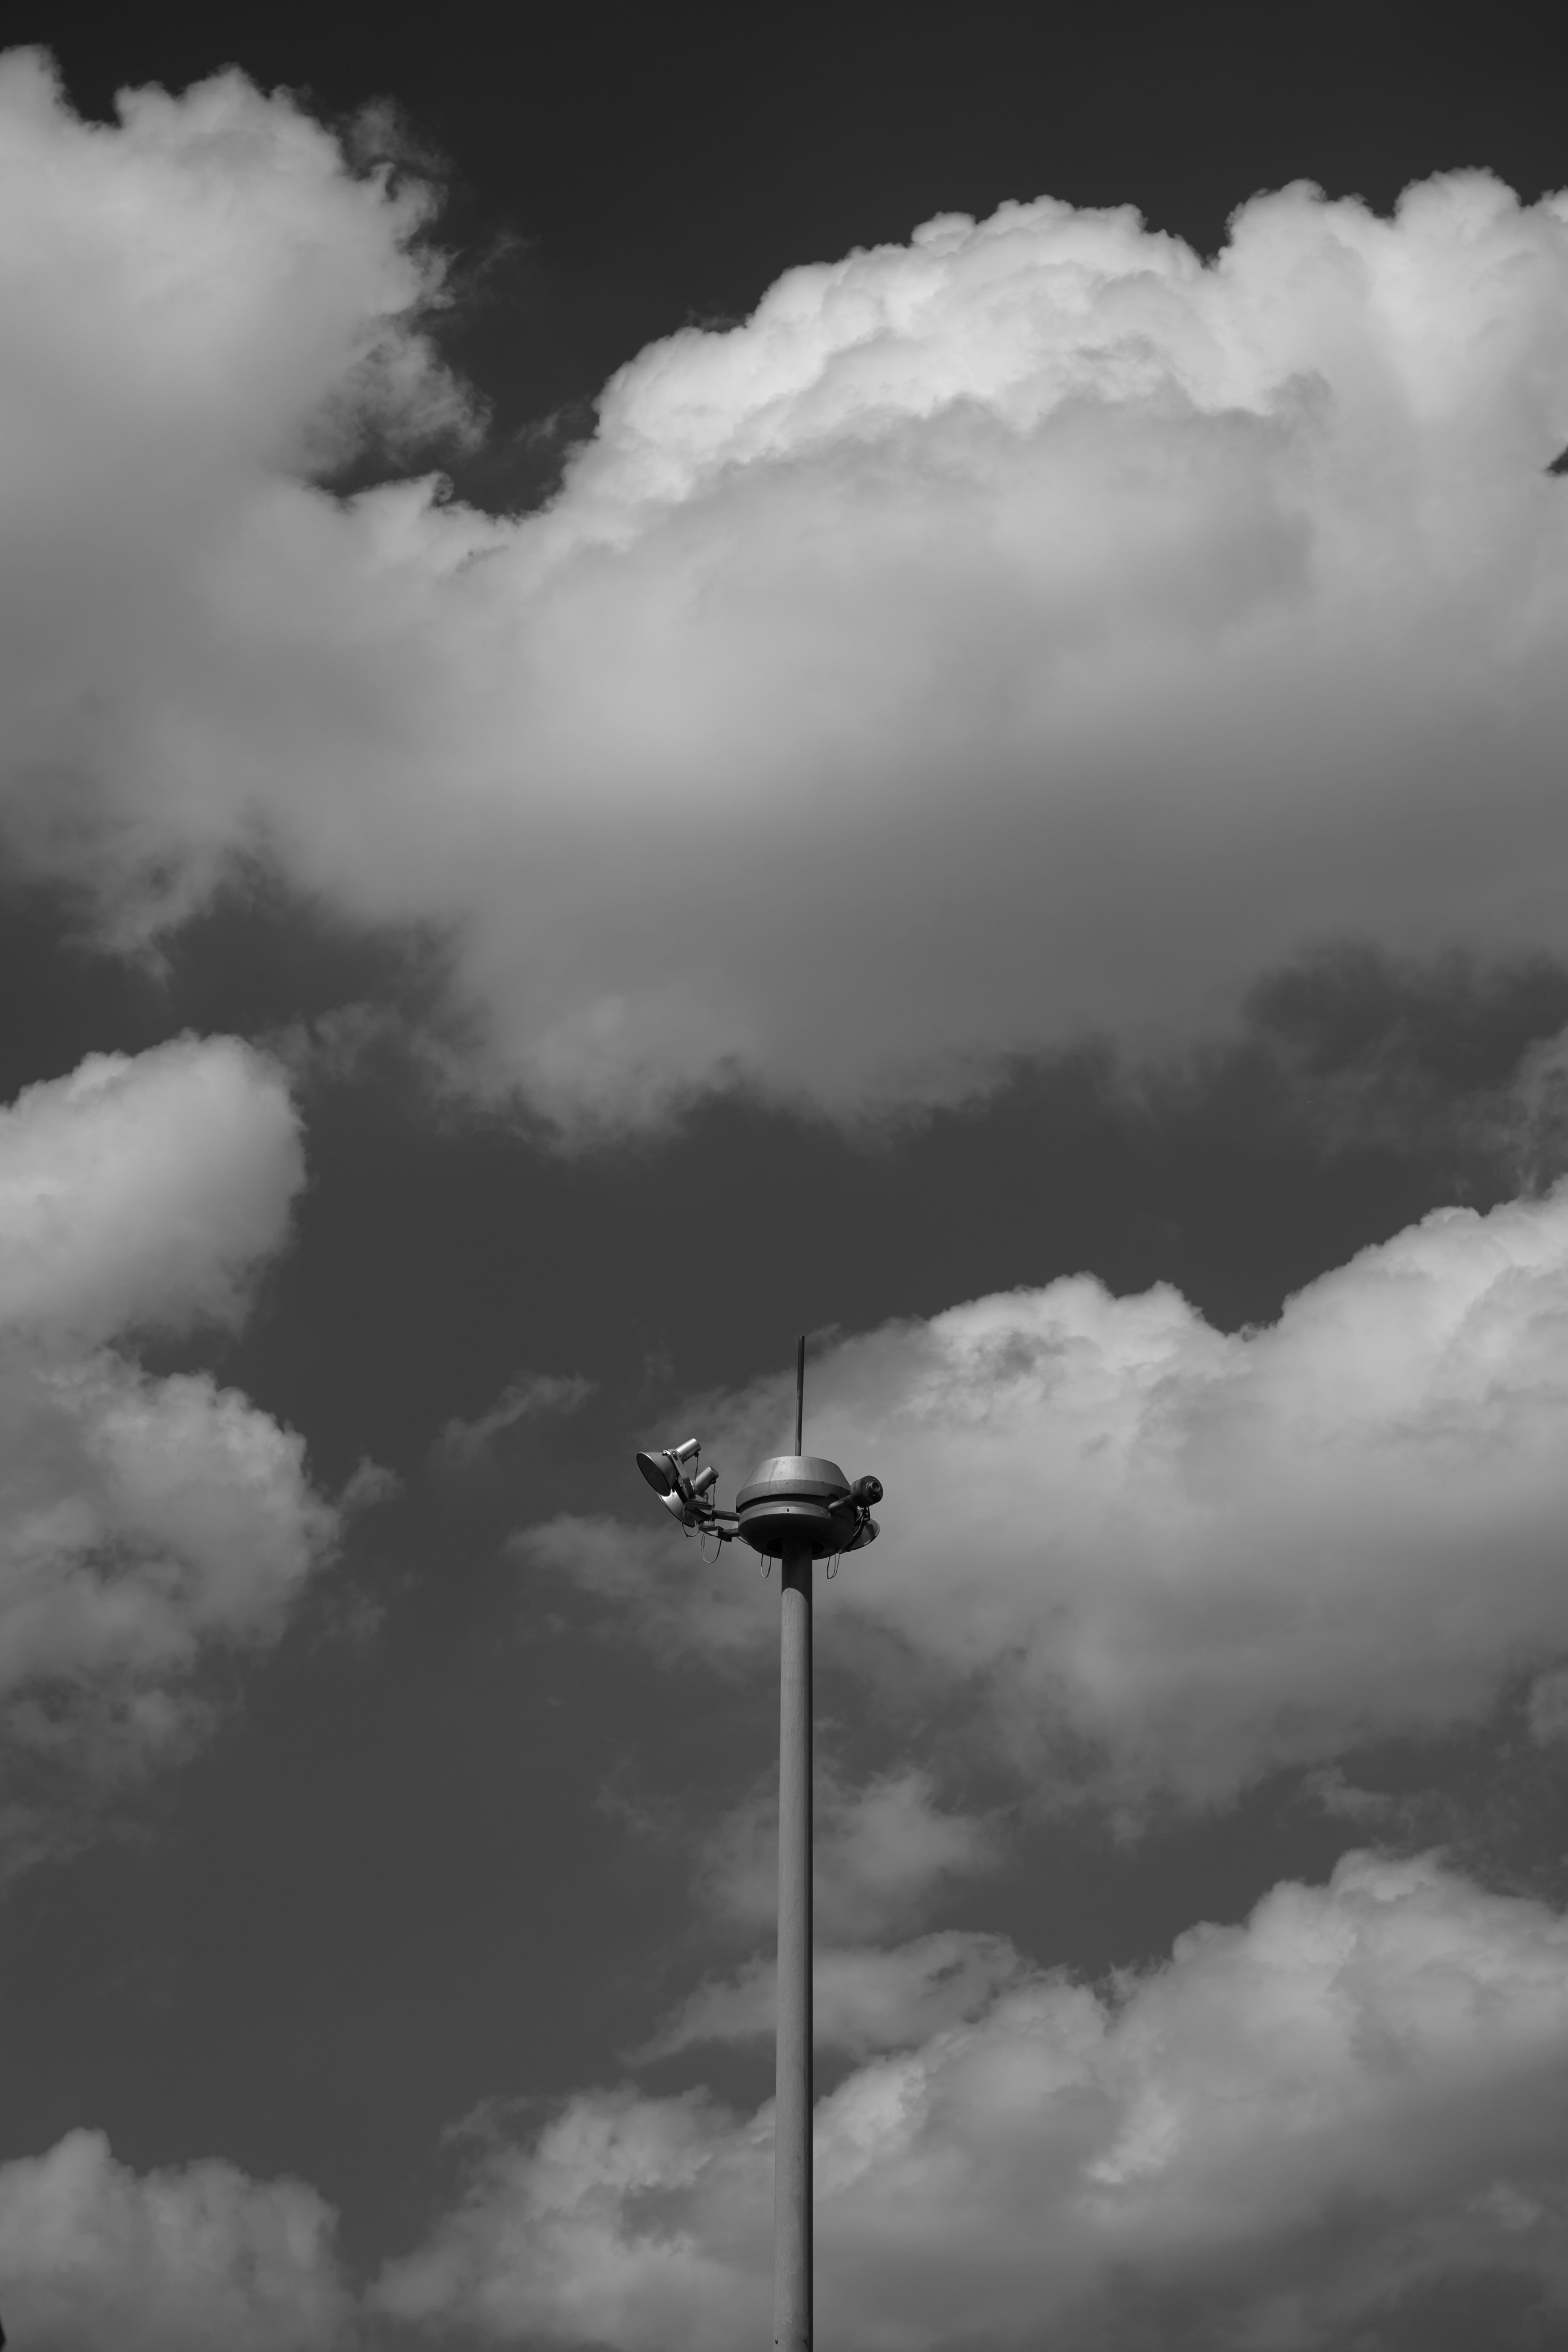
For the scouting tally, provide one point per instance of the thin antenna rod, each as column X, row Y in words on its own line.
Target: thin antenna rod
column 800, row 1395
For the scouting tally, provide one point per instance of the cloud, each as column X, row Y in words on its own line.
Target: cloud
column 143, row 1514
column 1546, row 1712
column 143, row 1519
column 526, row 1397
column 862, row 2000
column 1281, row 2137
column 881, row 1851
column 144, row 1191
column 1024, row 630
column 96, row 2258
column 1177, row 1557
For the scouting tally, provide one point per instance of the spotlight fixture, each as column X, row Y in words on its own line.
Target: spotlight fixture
column 663, row 1470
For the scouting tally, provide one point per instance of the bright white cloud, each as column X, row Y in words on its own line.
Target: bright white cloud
column 1183, row 1557
column 141, row 1518
column 144, row 1191
column 96, row 2258
column 1264, row 2142
column 1024, row 628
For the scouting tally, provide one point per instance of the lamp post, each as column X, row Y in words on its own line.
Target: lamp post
column 796, row 1508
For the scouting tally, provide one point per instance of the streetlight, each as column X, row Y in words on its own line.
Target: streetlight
column 796, row 1508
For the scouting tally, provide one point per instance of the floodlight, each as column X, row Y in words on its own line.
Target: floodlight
column 660, row 1471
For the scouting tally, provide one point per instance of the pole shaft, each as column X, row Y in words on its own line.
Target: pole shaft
column 791, row 2145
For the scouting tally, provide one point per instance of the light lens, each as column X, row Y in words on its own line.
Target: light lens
column 658, row 1470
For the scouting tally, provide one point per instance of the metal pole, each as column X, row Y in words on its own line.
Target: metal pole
column 792, row 2142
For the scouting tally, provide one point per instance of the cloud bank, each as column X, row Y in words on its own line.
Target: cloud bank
column 1176, row 1556
column 1027, row 629
column 1314, row 2129
column 1285, row 2135
column 143, row 1519
column 96, row 2258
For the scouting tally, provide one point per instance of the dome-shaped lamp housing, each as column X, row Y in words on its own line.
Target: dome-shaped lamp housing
column 802, row 1503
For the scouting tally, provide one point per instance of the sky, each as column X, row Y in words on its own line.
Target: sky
column 674, row 677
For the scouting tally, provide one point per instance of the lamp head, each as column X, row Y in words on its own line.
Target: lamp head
column 660, row 1471
column 666, row 1471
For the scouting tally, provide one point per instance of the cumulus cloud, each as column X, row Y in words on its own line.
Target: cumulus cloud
column 1115, row 622
column 1181, row 1557
column 1276, row 2137
column 96, row 2258
column 142, row 1518
column 145, row 1190
column 140, row 1515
